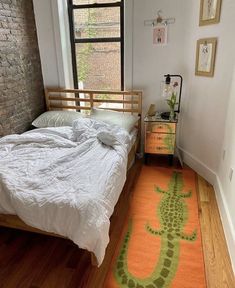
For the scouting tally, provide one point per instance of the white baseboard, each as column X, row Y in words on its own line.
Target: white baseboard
column 198, row 166
column 226, row 220
column 204, row 171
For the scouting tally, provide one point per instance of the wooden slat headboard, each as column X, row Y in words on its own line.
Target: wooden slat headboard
column 53, row 95
column 61, row 99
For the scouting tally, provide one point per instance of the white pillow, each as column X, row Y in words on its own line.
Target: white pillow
column 125, row 121
column 56, row 119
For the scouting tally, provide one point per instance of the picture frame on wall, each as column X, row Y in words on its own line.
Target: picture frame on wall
column 210, row 12
column 205, row 57
column 160, row 35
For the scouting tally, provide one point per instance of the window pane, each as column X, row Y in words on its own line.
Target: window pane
column 99, row 65
column 84, row 2
column 97, row 22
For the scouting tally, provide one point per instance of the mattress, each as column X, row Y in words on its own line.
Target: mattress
column 133, row 136
column 82, row 179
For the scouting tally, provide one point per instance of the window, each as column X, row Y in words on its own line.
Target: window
column 97, row 42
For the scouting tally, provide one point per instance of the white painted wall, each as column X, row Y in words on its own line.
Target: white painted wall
column 128, row 48
column 225, row 186
column 54, row 43
column 151, row 62
column 229, row 157
column 206, row 99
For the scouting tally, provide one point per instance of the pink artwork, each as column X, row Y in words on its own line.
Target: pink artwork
column 160, row 35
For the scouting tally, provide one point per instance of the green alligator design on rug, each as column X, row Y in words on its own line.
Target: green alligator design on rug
column 173, row 214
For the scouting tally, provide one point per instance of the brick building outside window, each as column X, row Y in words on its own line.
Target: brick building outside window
column 97, row 43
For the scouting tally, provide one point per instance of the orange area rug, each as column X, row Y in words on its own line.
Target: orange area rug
column 161, row 241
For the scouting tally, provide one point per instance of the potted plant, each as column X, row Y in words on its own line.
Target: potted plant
column 172, row 102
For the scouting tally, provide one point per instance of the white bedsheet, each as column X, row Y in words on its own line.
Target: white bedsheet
column 64, row 180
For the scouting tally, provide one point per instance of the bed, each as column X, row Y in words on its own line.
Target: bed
column 24, row 209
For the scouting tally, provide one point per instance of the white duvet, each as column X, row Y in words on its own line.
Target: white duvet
column 65, row 180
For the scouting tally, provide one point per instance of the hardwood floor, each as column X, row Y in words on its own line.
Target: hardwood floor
column 217, row 262
column 29, row 260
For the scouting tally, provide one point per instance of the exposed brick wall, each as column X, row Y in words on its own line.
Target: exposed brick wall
column 21, row 86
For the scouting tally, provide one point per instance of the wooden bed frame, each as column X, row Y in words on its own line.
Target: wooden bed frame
column 71, row 99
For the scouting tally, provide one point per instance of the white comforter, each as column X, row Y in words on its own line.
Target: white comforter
column 65, row 180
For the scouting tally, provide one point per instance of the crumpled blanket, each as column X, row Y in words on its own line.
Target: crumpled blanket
column 65, row 180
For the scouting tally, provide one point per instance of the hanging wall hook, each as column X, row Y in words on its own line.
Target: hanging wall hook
column 159, row 17
column 159, row 20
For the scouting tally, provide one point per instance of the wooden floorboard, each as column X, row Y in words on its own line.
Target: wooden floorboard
column 29, row 260
column 218, row 267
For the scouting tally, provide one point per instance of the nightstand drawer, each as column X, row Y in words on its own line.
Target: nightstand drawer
column 160, row 139
column 161, row 127
column 160, row 143
column 158, row 149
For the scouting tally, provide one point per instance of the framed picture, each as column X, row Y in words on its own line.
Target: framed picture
column 205, row 57
column 160, row 35
column 209, row 12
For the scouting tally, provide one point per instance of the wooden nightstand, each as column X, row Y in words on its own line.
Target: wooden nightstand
column 160, row 136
